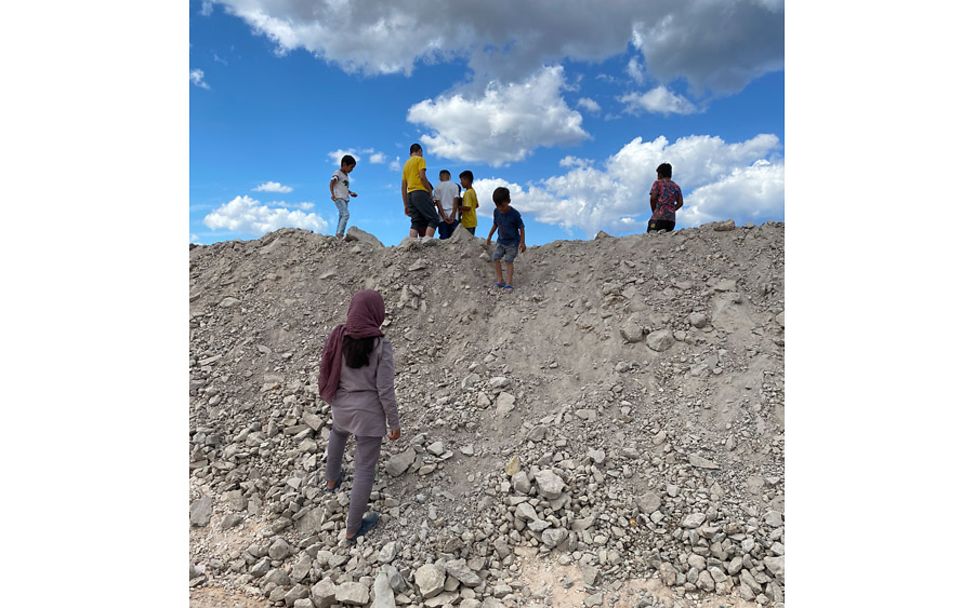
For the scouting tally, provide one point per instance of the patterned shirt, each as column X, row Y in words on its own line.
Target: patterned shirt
column 667, row 193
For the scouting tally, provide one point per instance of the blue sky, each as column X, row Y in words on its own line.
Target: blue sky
column 571, row 111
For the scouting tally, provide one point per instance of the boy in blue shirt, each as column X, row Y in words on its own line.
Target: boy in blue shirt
column 510, row 236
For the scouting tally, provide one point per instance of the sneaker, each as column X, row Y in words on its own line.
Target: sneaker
column 426, row 239
column 370, row 521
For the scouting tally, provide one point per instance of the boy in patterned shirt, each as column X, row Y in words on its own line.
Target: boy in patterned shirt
column 665, row 197
column 340, row 192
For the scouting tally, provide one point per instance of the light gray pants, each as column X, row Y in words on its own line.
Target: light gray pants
column 342, row 205
column 366, row 457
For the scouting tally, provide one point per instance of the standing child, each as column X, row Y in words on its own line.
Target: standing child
column 357, row 377
column 469, row 204
column 446, row 196
column 340, row 192
column 417, row 200
column 665, row 198
column 510, row 236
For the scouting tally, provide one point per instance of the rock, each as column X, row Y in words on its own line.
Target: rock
column 631, row 332
column 595, row 599
column 699, row 319
column 521, row 483
column 502, row 548
column 726, row 285
column 602, row 234
column 525, row 511
column 352, row 593
column 231, row 520
column 693, row 520
column 304, row 603
column 382, row 590
column 597, row 456
column 660, row 340
column 301, row 568
column 296, row 593
column 590, row 574
column 701, row 462
column 513, row 466
column 780, row 318
column 775, row 565
column 279, row 549
column 313, row 420
column 458, row 569
column 228, row 302
column 388, row 552
column 443, row 599
column 398, row 464
column 774, row 519
column 504, row 403
column 667, row 574
column 354, row 233
column 648, row 502
column 724, row 226
column 430, row 579
column 200, row 511
column 705, row 581
column 323, row 593
column 436, row 448
column 697, row 561
column 466, row 450
column 553, row 537
column 498, row 382
column 550, row 485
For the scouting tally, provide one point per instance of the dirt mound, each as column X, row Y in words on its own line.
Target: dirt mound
column 616, row 421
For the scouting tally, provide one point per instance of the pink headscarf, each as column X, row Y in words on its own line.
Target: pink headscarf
column 366, row 312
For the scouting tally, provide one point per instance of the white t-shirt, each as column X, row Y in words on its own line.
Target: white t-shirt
column 445, row 192
column 341, row 184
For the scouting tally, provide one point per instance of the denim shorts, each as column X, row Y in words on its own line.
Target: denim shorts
column 506, row 253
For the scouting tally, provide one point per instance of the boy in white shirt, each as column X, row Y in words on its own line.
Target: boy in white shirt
column 446, row 195
column 340, row 192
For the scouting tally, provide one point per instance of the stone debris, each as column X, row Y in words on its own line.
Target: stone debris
column 621, row 412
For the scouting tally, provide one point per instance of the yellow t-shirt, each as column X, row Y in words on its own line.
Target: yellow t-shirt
column 410, row 173
column 468, row 219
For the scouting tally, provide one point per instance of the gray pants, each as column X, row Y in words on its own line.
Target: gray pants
column 366, row 457
column 342, row 205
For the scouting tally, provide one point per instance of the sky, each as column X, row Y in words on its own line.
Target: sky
column 571, row 105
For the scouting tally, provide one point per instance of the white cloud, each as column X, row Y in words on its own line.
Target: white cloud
column 635, row 70
column 395, row 165
column 273, row 187
column 377, row 158
column 193, row 238
column 743, row 180
column 197, row 77
column 589, row 104
column 659, row 100
column 716, row 46
column 504, row 124
column 248, row 216
column 207, row 9
column 574, row 161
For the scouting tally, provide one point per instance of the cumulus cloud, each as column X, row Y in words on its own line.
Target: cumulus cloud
column 377, row 158
column 743, row 180
column 717, row 46
column 589, row 104
column 250, row 217
column 504, row 124
column 273, row 187
column 659, row 100
column 197, row 78
column 635, row 70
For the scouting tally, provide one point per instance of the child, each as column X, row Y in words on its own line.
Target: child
column 446, row 194
column 665, row 198
column 508, row 224
column 340, row 192
column 357, row 377
column 416, row 199
column 469, row 204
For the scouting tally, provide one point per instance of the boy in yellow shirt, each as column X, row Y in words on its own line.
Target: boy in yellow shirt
column 469, row 204
column 417, row 196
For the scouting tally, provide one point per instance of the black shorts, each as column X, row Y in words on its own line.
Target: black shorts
column 422, row 211
column 660, row 225
column 471, row 230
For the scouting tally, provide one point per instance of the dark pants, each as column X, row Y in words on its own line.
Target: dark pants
column 366, row 457
column 660, row 225
column 471, row 230
column 422, row 211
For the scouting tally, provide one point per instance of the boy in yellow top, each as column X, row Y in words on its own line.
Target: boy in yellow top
column 469, row 204
column 417, row 199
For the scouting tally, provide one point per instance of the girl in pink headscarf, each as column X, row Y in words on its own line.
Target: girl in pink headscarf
column 357, row 377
